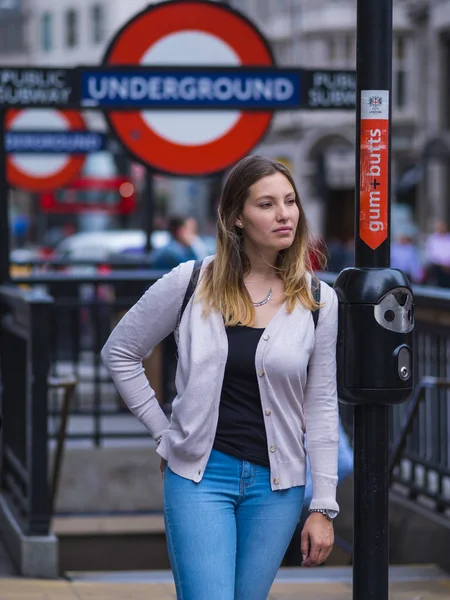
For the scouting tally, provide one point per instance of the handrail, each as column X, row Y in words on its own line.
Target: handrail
column 427, row 382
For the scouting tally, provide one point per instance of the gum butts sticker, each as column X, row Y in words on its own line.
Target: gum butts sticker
column 374, row 167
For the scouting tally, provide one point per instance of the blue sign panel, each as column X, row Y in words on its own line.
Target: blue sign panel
column 191, row 87
column 52, row 142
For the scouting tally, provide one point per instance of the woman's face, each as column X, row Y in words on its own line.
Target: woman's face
column 270, row 214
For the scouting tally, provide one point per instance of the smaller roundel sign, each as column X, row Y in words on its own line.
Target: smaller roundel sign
column 34, row 171
column 186, row 34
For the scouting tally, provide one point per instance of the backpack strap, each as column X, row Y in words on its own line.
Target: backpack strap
column 191, row 287
column 315, row 291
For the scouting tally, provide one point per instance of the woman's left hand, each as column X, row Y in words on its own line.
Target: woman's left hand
column 162, row 467
column 317, row 540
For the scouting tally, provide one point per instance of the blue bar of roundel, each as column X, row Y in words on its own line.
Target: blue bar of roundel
column 54, row 142
column 187, row 88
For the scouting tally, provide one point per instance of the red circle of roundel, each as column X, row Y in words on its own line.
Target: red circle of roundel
column 133, row 41
column 32, row 183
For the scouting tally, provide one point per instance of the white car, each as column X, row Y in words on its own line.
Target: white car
column 102, row 245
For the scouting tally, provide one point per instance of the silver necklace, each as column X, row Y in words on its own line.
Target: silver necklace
column 265, row 301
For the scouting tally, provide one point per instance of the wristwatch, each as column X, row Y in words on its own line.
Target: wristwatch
column 328, row 514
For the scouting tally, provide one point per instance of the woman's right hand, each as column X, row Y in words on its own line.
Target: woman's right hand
column 162, row 467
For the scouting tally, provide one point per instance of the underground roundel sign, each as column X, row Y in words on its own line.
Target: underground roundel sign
column 186, row 34
column 35, row 161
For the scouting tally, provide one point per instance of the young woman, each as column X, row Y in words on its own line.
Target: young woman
column 253, row 376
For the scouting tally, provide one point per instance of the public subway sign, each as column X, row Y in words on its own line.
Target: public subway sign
column 218, row 88
column 35, row 87
column 374, row 167
column 329, row 89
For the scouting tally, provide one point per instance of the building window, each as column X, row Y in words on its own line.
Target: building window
column 446, row 80
column 12, row 30
column 283, row 52
column 46, row 32
column 400, row 80
column 98, row 23
column 349, row 49
column 401, row 88
column 332, row 49
column 71, row 28
column 264, row 9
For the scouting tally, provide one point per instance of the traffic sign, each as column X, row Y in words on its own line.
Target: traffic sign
column 189, row 33
column 41, row 172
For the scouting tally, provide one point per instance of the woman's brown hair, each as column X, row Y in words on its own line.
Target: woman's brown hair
column 223, row 286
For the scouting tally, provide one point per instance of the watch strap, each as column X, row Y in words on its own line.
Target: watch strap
column 325, row 512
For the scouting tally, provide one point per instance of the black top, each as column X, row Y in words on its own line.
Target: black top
column 240, row 430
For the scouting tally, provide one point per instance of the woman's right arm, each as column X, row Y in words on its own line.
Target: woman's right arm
column 146, row 324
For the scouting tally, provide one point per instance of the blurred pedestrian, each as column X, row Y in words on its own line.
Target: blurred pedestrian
column 406, row 257
column 341, row 253
column 197, row 244
column 437, row 256
column 183, row 232
column 254, row 374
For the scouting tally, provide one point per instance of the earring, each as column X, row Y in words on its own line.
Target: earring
column 239, row 224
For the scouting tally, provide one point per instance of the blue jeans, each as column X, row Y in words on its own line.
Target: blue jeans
column 227, row 535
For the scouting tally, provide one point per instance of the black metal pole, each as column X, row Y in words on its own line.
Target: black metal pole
column 149, row 207
column 4, row 194
column 373, row 74
column 372, row 250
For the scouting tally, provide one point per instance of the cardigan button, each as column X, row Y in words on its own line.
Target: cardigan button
column 268, row 412
column 276, row 481
column 266, row 337
column 273, row 448
column 261, row 373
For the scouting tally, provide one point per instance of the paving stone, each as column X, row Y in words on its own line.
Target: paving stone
column 29, row 589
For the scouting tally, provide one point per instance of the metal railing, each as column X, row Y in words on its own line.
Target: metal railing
column 24, row 365
column 420, row 431
column 417, row 461
column 86, row 308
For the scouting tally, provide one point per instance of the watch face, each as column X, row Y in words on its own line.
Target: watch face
column 332, row 514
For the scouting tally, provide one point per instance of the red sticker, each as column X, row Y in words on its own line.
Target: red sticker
column 374, row 168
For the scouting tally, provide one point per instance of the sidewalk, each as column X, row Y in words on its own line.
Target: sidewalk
column 407, row 583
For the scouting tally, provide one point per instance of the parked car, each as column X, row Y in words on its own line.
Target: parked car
column 105, row 245
column 118, row 246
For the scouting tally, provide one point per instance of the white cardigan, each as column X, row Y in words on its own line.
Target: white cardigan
column 296, row 368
